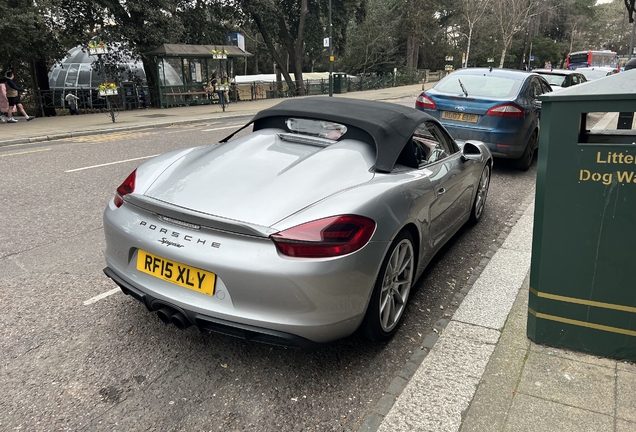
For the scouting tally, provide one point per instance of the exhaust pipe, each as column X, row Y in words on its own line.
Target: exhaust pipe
column 165, row 314
column 180, row 321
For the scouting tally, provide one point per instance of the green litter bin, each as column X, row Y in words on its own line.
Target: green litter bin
column 339, row 83
column 583, row 272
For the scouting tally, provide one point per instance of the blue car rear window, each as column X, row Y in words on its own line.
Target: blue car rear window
column 480, row 86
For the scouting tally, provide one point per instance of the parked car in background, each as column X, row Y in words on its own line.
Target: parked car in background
column 499, row 107
column 561, row 78
column 592, row 73
column 313, row 225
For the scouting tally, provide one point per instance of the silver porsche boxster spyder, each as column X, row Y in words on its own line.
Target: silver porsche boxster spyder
column 314, row 225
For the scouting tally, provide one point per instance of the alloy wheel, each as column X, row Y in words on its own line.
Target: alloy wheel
column 396, row 285
column 482, row 193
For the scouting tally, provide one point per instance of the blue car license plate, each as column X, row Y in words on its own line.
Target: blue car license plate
column 462, row 117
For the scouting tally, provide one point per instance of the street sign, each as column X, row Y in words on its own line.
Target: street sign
column 331, row 58
column 448, row 67
column 325, row 42
column 448, row 58
column 490, row 60
column 531, row 58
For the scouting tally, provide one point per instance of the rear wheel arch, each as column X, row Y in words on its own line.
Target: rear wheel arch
column 417, row 239
column 412, row 229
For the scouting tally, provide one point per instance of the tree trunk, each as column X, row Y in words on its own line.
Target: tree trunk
column 526, row 52
column 272, row 50
column 506, row 42
column 298, row 51
column 412, row 52
column 503, row 56
column 470, row 38
column 150, row 67
column 42, row 84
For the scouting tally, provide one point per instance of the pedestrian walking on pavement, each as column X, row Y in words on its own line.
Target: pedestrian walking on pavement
column 143, row 99
column 13, row 96
column 4, row 103
column 226, row 84
column 71, row 100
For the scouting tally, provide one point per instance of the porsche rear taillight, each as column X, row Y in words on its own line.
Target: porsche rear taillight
column 323, row 238
column 506, row 110
column 425, row 102
column 125, row 188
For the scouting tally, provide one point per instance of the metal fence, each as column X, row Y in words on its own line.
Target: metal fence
column 90, row 101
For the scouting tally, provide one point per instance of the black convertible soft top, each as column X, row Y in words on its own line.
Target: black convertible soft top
column 389, row 125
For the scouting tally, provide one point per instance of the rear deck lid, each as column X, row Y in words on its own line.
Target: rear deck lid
column 261, row 178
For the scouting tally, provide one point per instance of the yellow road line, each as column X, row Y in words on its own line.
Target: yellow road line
column 25, row 152
column 115, row 136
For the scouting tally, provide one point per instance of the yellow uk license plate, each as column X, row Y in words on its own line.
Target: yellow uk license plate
column 179, row 274
column 462, row 117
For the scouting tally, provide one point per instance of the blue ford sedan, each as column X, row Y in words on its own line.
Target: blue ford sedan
column 499, row 107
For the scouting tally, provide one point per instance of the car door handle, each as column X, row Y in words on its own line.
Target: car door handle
column 441, row 191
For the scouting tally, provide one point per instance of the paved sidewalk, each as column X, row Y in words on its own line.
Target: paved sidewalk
column 67, row 126
column 484, row 375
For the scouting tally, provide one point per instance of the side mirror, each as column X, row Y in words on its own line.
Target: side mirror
column 471, row 152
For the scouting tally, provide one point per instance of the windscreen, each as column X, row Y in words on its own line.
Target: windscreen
column 579, row 57
column 480, row 86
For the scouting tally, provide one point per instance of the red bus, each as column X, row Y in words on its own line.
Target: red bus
column 605, row 58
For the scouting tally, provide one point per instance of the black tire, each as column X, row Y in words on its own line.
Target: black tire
column 525, row 161
column 390, row 293
column 479, row 204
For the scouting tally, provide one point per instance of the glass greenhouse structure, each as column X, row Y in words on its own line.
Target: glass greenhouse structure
column 76, row 72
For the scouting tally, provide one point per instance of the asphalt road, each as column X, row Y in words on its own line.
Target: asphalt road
column 73, row 361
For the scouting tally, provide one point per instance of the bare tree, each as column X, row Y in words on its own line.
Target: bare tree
column 511, row 16
column 472, row 12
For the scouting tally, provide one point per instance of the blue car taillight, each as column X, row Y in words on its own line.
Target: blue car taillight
column 506, row 110
column 425, row 102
